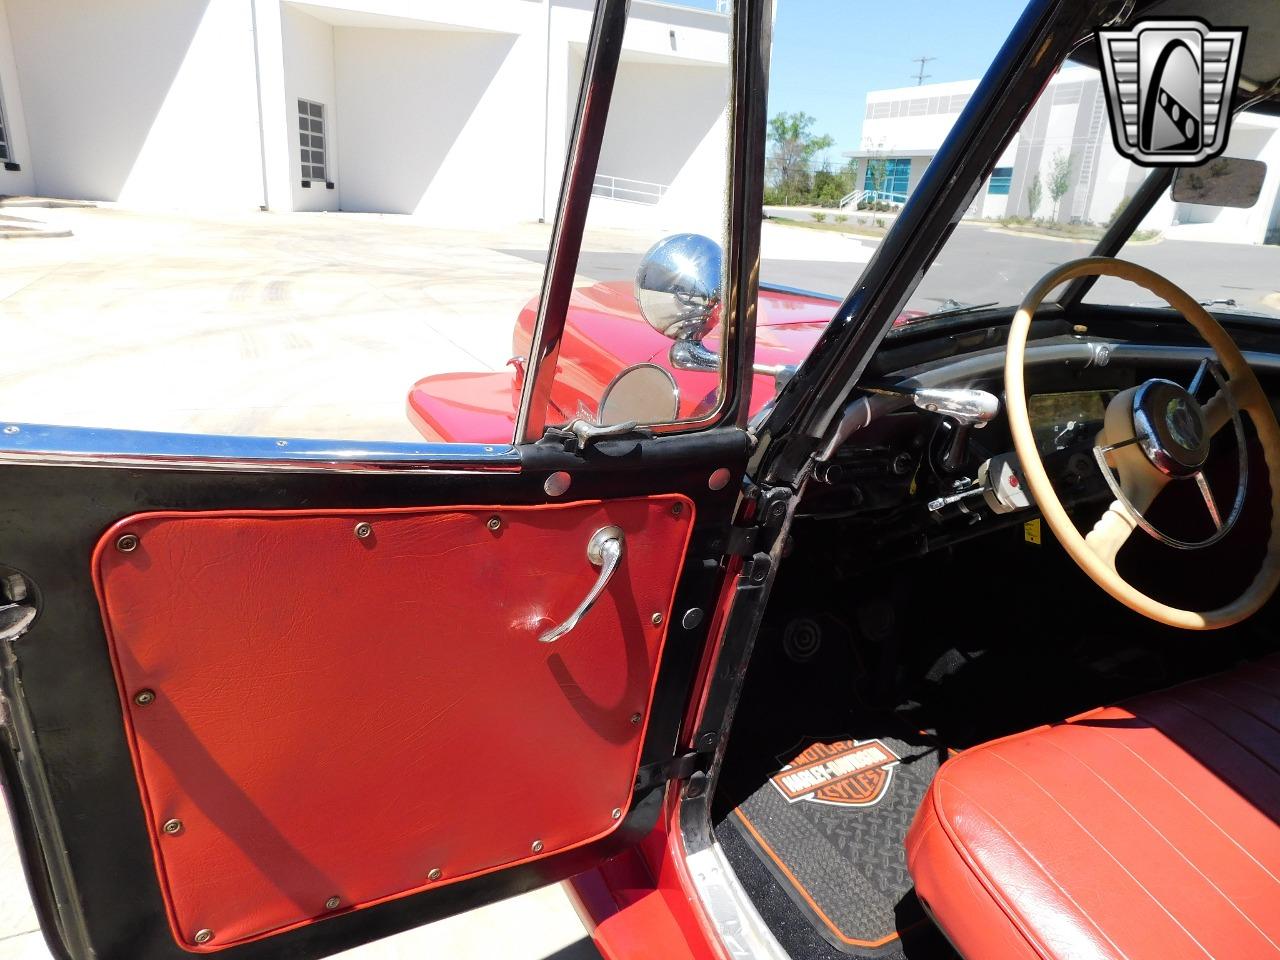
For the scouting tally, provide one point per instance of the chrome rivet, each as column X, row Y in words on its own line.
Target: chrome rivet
column 692, row 618
column 364, row 530
column 11, row 429
column 144, row 697
column 435, row 874
column 203, row 936
column 282, row 443
column 172, row 827
column 617, row 813
column 677, row 509
column 333, row 903
column 557, row 483
column 495, row 524
column 636, row 718
column 719, row 479
column 656, row 619
column 127, row 543
column 537, row 846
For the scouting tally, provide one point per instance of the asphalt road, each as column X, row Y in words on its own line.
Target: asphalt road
column 981, row 265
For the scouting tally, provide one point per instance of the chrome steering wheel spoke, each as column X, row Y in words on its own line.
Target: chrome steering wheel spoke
column 1203, row 483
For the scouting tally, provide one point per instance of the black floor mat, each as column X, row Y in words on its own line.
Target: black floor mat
column 829, row 827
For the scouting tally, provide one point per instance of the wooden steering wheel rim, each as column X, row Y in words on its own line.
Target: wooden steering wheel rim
column 1249, row 397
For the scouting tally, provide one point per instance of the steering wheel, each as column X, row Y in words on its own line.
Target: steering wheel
column 1153, row 435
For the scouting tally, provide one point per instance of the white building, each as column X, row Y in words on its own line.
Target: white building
column 446, row 109
column 904, row 128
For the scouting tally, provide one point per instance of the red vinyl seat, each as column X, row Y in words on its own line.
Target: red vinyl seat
column 1145, row 831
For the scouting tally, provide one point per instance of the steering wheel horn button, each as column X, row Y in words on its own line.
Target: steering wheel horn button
column 1170, row 426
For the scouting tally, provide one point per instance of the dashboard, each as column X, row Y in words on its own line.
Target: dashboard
column 1062, row 420
column 886, row 475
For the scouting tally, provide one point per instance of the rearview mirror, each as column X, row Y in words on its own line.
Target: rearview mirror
column 1225, row 182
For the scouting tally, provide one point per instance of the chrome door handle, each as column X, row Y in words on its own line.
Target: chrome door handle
column 604, row 550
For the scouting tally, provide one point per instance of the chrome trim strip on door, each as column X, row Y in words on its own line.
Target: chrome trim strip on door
column 92, row 446
column 604, row 50
column 740, row 927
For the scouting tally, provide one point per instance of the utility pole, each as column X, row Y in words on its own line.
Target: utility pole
column 921, row 77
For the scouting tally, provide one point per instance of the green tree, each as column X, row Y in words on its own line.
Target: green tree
column 828, row 188
column 1034, row 195
column 1059, row 179
column 793, row 147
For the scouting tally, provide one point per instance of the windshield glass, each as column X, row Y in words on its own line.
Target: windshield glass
column 1061, row 182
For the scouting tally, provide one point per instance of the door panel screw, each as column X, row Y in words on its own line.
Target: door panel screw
column 364, row 531
column 656, row 619
column 495, row 524
column 537, row 846
column 11, row 429
column 172, row 827
column 333, row 903
column 203, row 936
column 677, row 509
column 434, row 875
column 636, row 718
column 617, row 813
column 144, row 697
column 127, row 543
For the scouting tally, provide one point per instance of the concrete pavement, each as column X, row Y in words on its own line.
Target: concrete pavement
column 541, row 925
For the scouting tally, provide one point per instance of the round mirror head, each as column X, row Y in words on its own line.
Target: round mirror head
column 678, row 285
column 644, row 393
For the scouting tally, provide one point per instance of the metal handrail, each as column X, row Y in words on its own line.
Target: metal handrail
column 639, row 191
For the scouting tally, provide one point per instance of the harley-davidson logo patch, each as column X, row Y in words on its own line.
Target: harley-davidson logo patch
column 853, row 773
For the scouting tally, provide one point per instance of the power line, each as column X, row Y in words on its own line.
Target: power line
column 921, row 77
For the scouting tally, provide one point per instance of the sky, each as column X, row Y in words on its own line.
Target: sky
column 828, row 53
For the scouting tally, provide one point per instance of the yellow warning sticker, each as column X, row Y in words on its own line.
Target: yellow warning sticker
column 1031, row 531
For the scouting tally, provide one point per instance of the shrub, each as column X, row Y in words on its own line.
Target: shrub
column 819, row 217
column 840, row 218
column 880, row 222
column 772, row 196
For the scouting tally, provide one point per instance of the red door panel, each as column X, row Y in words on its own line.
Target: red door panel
column 321, row 721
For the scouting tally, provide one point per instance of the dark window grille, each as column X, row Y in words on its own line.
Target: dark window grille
column 312, row 141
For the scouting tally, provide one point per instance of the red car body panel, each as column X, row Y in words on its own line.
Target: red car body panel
column 640, row 904
column 604, row 334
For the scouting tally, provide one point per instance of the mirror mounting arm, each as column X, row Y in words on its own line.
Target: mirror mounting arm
column 692, row 355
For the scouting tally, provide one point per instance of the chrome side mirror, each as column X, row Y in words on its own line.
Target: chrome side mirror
column 644, row 393
column 678, row 285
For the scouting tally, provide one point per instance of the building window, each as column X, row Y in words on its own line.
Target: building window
column 897, row 179
column 1001, row 178
column 311, row 139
